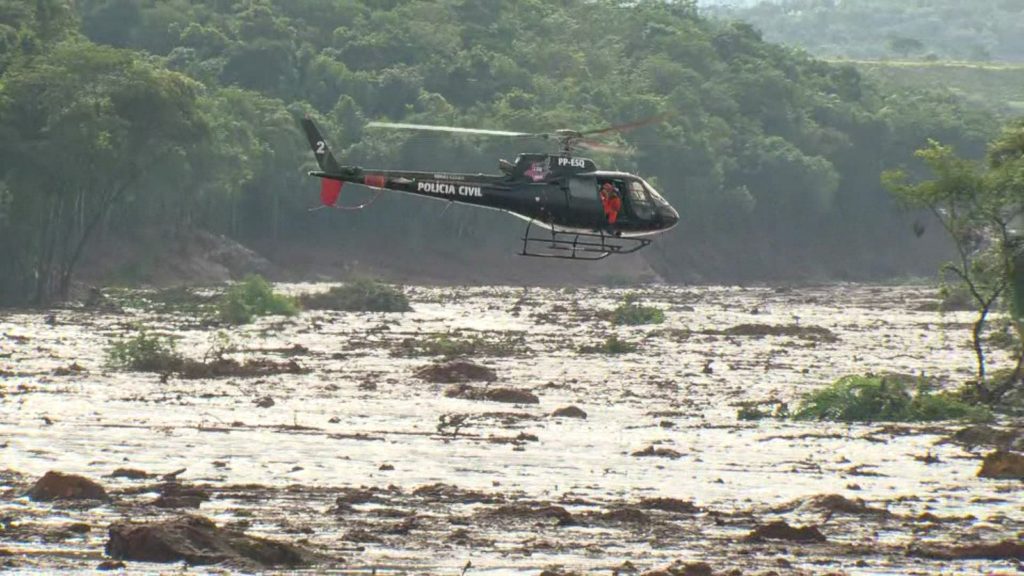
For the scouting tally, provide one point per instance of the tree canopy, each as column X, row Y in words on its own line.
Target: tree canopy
column 125, row 116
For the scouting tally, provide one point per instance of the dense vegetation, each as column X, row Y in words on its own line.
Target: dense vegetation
column 122, row 119
column 937, row 29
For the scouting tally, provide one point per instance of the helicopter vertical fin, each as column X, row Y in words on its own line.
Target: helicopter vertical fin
column 320, row 149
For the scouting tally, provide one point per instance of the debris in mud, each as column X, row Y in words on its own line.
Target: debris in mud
column 229, row 367
column 1003, row 465
column 264, row 402
column 985, row 435
column 815, row 333
column 455, row 371
column 351, row 496
column 557, row 571
column 1005, row 550
column 569, row 412
column 447, row 493
column 532, row 512
column 175, row 495
column 830, row 503
column 509, row 395
column 59, row 486
column 451, row 346
column 108, row 565
column 669, row 505
column 680, row 568
column 651, row 451
column 780, row 530
column 198, row 541
column 69, row 370
column 361, row 536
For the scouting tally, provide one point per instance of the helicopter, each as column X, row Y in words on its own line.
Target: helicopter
column 570, row 206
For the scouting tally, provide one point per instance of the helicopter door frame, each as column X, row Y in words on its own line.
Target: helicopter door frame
column 583, row 197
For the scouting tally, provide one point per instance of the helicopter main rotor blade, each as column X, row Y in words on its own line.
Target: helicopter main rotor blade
column 605, row 148
column 624, row 127
column 455, row 129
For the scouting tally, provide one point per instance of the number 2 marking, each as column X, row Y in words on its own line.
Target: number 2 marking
column 321, row 147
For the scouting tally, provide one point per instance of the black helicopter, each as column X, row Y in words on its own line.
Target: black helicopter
column 588, row 213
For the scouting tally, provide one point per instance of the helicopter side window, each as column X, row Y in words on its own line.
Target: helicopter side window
column 639, row 201
column 582, row 189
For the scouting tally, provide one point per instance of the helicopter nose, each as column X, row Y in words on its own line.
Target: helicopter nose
column 669, row 216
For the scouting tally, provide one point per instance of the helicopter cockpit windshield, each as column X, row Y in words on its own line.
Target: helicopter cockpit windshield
column 650, row 206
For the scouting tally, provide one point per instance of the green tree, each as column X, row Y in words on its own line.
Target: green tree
column 84, row 125
column 980, row 207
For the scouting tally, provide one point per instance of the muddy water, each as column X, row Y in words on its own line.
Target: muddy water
column 348, row 457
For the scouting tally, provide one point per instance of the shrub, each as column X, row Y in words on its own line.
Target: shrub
column 611, row 345
column 884, row 398
column 630, row 313
column 145, row 353
column 360, row 295
column 253, row 297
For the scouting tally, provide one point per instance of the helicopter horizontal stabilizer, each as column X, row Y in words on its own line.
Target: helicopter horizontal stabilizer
column 330, row 190
column 320, row 149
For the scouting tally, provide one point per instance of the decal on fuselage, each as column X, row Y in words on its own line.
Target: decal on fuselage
column 539, row 170
column 448, row 189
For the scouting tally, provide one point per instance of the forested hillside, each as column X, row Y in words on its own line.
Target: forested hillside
column 979, row 30
column 121, row 119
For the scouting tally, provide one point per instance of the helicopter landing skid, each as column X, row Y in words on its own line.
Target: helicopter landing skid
column 578, row 245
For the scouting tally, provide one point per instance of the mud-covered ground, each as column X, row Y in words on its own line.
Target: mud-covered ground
column 356, row 457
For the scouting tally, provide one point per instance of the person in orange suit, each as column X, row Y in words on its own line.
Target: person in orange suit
column 611, row 202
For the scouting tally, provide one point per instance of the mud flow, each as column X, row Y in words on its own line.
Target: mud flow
column 365, row 452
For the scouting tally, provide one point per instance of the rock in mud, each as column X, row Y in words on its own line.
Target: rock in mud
column 456, row 371
column 569, row 412
column 199, row 541
column 651, row 451
column 108, row 565
column 59, row 486
column 1005, row 550
column 626, row 516
column 1003, row 465
column 780, row 530
column 131, row 474
column 508, row 395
